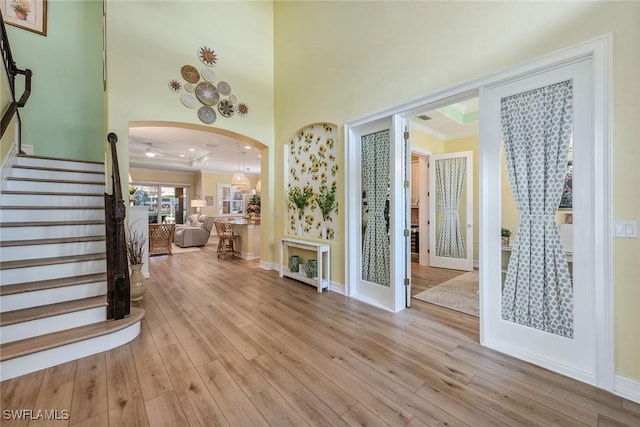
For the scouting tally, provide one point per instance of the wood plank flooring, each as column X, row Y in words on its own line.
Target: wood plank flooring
column 225, row 343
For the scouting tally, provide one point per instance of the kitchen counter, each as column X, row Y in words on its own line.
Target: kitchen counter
column 249, row 237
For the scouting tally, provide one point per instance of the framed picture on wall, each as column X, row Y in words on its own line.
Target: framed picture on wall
column 30, row 15
column 566, row 202
column 209, row 200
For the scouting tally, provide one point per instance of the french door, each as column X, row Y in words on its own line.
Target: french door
column 524, row 288
column 377, row 213
column 451, row 210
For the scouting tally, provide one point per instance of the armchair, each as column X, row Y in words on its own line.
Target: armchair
column 188, row 236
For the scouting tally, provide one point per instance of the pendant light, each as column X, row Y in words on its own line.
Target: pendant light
column 238, row 177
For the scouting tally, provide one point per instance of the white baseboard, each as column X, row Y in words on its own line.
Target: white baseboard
column 627, row 388
column 269, row 265
column 337, row 287
column 8, row 161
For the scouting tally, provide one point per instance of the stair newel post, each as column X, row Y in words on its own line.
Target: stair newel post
column 118, row 290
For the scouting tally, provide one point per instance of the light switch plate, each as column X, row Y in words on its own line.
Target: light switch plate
column 627, row 229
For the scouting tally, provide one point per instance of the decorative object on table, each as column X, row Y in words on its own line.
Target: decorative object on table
column 294, row 263
column 30, row 15
column 175, row 86
column 505, row 233
column 311, row 267
column 198, row 204
column 136, row 243
column 253, row 208
column 312, row 160
column 207, row 56
column 300, row 198
column 326, row 201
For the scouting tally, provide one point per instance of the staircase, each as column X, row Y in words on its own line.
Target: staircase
column 53, row 281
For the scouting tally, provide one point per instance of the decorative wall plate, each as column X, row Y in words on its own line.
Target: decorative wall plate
column 189, row 100
column 189, row 87
column 226, row 108
column 208, row 74
column 207, row 56
column 206, row 115
column 207, row 93
column 190, row 73
column 224, row 88
column 233, row 99
column 175, row 86
column 242, row 109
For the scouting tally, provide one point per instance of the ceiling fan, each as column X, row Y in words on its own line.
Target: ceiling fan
column 151, row 152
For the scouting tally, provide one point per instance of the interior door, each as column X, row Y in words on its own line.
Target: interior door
column 451, row 210
column 572, row 353
column 377, row 213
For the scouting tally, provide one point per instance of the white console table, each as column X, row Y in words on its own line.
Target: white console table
column 322, row 258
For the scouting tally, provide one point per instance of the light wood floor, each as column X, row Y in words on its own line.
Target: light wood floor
column 225, row 343
column 423, row 278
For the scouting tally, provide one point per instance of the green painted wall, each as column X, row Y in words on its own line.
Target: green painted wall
column 64, row 116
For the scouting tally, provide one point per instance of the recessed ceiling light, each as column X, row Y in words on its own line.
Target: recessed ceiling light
column 181, row 155
column 247, row 147
column 192, row 149
column 259, row 156
column 149, row 154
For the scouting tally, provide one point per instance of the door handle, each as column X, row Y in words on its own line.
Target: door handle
column 468, row 225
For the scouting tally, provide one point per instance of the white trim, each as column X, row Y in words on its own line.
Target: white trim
column 600, row 50
column 269, row 265
column 8, row 162
column 337, row 287
column 428, row 131
column 627, row 388
column 44, row 359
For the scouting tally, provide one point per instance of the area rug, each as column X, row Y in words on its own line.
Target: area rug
column 459, row 293
column 178, row 250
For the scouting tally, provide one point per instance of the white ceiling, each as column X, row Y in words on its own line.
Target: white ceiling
column 454, row 121
column 190, row 149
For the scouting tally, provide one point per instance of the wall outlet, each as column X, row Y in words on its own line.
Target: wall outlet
column 626, row 229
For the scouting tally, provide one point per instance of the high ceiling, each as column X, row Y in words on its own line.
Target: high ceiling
column 191, row 149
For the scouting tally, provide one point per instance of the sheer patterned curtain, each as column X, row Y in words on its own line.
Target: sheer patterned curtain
column 536, row 128
column 450, row 175
column 376, row 255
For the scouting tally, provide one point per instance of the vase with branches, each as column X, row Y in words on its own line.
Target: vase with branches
column 300, row 197
column 136, row 242
column 326, row 201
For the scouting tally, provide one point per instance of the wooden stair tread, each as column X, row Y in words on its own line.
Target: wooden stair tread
column 57, row 181
column 49, row 223
column 33, row 313
column 32, row 156
column 51, row 208
column 43, row 168
column 13, row 243
column 51, row 284
column 51, row 193
column 6, row 265
column 45, row 342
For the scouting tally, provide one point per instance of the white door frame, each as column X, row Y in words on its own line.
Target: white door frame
column 600, row 50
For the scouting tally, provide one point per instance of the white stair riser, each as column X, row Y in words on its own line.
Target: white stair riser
column 51, row 296
column 59, row 164
column 44, row 359
column 47, row 325
column 28, row 215
column 57, row 271
column 61, row 187
column 64, row 175
column 51, row 232
column 49, row 200
column 15, row 253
